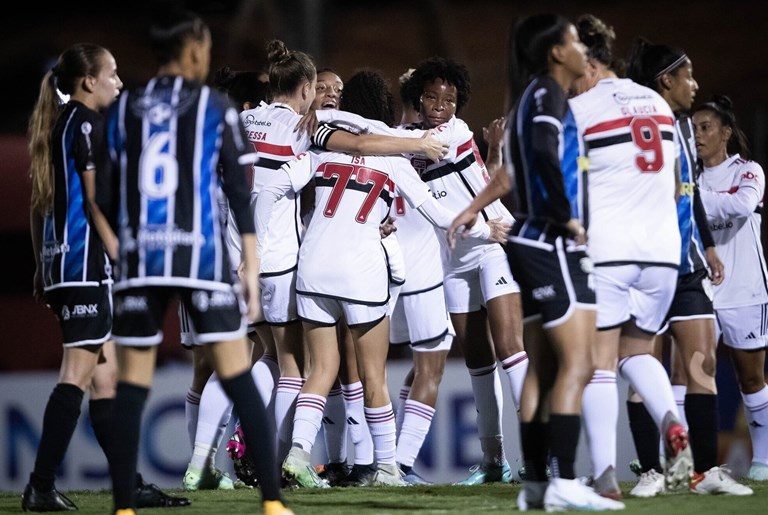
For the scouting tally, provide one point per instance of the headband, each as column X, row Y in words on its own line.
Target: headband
column 677, row 62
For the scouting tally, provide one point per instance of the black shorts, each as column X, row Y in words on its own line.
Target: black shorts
column 84, row 313
column 213, row 315
column 554, row 280
column 691, row 300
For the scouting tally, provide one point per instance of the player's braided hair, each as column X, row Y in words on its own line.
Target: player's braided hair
column 367, row 94
column 722, row 107
column 435, row 68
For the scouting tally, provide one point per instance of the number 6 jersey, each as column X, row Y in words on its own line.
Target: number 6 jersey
column 628, row 134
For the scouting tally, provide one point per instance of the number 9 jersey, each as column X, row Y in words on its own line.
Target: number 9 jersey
column 628, row 134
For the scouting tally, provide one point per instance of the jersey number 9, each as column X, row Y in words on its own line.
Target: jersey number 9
column 647, row 137
column 158, row 170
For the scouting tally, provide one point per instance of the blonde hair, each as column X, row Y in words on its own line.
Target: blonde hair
column 40, row 126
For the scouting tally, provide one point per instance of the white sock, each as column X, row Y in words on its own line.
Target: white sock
column 600, row 414
column 191, row 409
column 404, row 392
column 356, row 424
column 335, row 426
column 416, row 423
column 288, row 389
column 264, row 377
column 309, row 416
column 212, row 419
column 678, row 390
column 756, row 409
column 486, row 387
column 649, row 379
column 516, row 366
column 381, row 422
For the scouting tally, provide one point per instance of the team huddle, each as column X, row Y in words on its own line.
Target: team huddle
column 304, row 231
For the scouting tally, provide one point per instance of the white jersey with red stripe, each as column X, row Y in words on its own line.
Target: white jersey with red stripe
column 732, row 194
column 629, row 139
column 455, row 181
column 341, row 255
column 270, row 129
column 419, row 242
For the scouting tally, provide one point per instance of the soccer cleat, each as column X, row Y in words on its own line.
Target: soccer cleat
column 53, row 500
column 210, row 478
column 758, row 472
column 678, row 458
column 298, row 469
column 523, row 475
column 488, row 473
column 125, row 511
column 411, row 477
column 276, row 508
column 718, row 480
column 149, row 495
column 650, row 484
column 334, row 473
column 570, row 494
column 606, row 485
column 388, row 475
column 245, row 472
column 360, row 475
column 531, row 496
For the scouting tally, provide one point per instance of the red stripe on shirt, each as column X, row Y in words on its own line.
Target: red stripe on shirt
column 464, row 147
column 624, row 122
column 269, row 148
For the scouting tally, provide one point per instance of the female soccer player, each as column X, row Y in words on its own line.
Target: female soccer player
column 669, row 72
column 168, row 139
column 732, row 190
column 547, row 255
column 479, row 286
column 72, row 273
column 327, row 90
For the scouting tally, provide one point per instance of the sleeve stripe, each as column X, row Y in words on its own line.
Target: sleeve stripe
column 542, row 118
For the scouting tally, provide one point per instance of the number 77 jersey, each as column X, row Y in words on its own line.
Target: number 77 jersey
column 629, row 141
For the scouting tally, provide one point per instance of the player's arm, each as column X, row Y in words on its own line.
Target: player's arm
column 740, row 203
column 331, row 138
column 715, row 265
column 493, row 135
column 36, row 228
column 107, row 188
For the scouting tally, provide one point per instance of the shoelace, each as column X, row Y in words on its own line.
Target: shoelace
column 725, row 474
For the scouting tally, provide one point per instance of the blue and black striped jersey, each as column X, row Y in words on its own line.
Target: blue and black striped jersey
column 543, row 149
column 167, row 141
column 72, row 252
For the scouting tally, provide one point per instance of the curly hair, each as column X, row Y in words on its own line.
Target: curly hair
column 367, row 94
column 435, row 68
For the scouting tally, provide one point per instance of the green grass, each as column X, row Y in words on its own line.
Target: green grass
column 422, row 500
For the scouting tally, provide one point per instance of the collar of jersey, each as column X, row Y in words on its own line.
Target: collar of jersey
column 282, row 105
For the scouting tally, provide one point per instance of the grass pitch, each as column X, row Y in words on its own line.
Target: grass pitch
column 420, row 500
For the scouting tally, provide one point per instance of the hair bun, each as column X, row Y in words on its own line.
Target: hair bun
column 723, row 102
column 277, row 53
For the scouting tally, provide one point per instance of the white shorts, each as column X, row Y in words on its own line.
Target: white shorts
column 421, row 320
column 278, row 298
column 327, row 311
column 642, row 292
column 468, row 291
column 744, row 328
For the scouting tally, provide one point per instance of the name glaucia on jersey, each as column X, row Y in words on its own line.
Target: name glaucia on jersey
column 626, row 110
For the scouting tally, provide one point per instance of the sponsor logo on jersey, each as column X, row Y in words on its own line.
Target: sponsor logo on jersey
column 686, row 189
column 158, row 114
column 251, row 120
column 624, row 99
column 160, row 238
column 86, row 128
column 200, row 300
column 204, row 301
column 85, row 310
column 544, row 292
column 131, row 304
column 420, row 164
column 587, row 266
column 439, row 194
column 51, row 249
column 719, row 226
column 65, row 313
column 501, row 281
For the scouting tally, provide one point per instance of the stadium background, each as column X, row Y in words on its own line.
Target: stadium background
column 725, row 41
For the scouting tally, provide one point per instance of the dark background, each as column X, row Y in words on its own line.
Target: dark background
column 726, row 41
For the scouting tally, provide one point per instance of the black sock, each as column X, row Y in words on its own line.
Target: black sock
column 534, row 442
column 563, row 439
column 59, row 423
column 701, row 412
column 126, row 423
column 258, row 430
column 646, row 436
column 100, row 412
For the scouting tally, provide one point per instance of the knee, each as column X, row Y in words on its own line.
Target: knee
column 751, row 383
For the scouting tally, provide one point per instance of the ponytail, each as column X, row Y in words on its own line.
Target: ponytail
column 722, row 107
column 39, row 132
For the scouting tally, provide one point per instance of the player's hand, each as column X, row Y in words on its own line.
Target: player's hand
column 250, row 281
column 387, row 228
column 577, row 231
column 461, row 224
column 308, row 123
column 716, row 267
column 499, row 229
column 493, row 135
column 432, row 148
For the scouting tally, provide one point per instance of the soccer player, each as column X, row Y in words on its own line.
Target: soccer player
column 327, row 90
column 72, row 274
column 479, row 286
column 732, row 189
column 548, row 256
column 669, row 72
column 166, row 140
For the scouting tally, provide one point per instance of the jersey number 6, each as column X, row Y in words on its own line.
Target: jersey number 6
column 647, row 137
column 158, row 170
